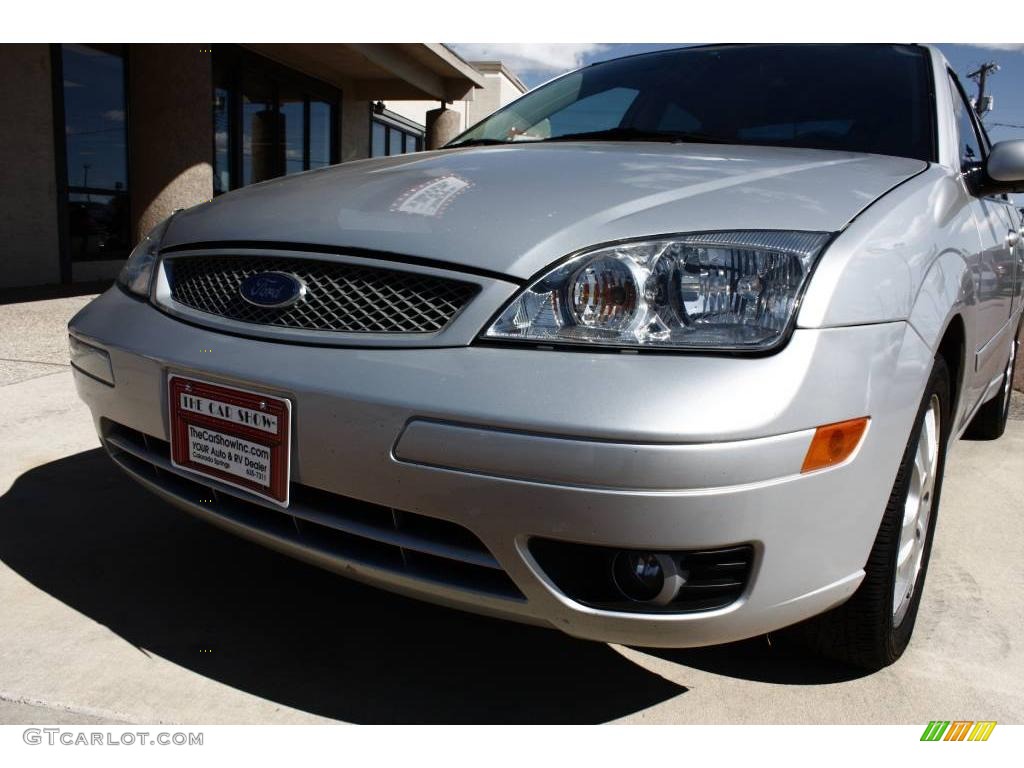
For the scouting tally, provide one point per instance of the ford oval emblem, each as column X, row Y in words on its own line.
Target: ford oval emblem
column 272, row 289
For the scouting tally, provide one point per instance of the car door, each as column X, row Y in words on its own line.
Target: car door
column 994, row 267
column 1018, row 292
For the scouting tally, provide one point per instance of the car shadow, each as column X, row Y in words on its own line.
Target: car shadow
column 237, row 613
column 777, row 659
column 290, row 633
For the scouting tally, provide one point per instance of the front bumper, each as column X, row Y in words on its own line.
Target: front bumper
column 619, row 450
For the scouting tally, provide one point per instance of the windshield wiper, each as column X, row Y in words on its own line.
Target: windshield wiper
column 639, row 134
column 476, row 143
column 608, row 134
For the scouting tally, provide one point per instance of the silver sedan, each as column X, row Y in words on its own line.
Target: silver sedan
column 667, row 352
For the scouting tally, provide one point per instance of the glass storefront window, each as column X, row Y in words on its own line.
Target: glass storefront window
column 273, row 120
column 98, row 226
column 387, row 139
column 221, row 159
column 394, row 141
column 319, row 134
column 96, row 152
column 293, row 132
column 259, row 132
column 379, row 146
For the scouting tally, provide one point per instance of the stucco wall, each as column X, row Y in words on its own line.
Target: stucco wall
column 498, row 92
column 28, row 187
column 171, row 130
column 417, row 110
column 355, row 130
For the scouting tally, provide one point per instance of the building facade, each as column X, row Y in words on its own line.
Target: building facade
column 101, row 142
column 501, row 86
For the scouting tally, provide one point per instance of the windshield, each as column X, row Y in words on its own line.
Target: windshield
column 859, row 98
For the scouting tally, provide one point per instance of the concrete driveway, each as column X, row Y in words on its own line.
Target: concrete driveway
column 116, row 608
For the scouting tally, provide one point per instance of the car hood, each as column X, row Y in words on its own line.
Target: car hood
column 515, row 209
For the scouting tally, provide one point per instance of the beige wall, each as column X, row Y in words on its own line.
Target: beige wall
column 498, row 91
column 28, row 187
column 171, row 141
column 354, row 129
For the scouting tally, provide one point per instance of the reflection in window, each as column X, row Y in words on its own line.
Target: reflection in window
column 96, row 142
column 319, row 134
column 968, row 141
column 259, row 132
column 597, row 112
column 98, row 226
column 293, row 132
column 379, row 147
column 394, row 141
column 221, row 158
column 268, row 120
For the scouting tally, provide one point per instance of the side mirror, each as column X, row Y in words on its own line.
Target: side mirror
column 1004, row 168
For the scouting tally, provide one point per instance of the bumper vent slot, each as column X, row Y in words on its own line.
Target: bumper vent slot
column 415, row 545
column 340, row 297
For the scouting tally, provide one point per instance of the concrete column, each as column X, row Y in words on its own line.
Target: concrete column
column 28, row 183
column 443, row 125
column 354, row 129
column 171, row 155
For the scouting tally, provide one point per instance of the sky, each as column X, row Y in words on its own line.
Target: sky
column 538, row 62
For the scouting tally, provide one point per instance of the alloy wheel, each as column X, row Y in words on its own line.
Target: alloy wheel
column 917, row 511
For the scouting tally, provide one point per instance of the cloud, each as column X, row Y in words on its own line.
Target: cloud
column 531, row 57
column 1014, row 47
column 114, row 115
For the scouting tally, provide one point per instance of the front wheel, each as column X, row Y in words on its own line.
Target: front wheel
column 873, row 628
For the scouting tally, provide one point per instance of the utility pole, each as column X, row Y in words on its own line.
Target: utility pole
column 983, row 103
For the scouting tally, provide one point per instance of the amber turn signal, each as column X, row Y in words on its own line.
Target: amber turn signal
column 834, row 443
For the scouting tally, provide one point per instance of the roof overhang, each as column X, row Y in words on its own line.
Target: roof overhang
column 381, row 70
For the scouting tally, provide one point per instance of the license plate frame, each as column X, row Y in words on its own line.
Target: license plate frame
column 230, row 434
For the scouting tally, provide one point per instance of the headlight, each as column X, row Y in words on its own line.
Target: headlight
column 720, row 290
column 137, row 273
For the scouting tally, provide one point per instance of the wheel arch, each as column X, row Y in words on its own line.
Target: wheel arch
column 953, row 349
column 942, row 317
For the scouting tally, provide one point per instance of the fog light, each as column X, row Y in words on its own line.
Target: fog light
column 646, row 577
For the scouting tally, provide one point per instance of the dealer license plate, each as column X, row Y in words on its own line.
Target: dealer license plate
column 239, row 437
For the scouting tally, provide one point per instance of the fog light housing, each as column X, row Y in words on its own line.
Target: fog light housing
column 90, row 360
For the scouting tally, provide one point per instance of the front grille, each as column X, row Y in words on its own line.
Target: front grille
column 345, row 298
column 423, row 547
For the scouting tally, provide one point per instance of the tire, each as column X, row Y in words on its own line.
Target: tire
column 989, row 422
column 872, row 629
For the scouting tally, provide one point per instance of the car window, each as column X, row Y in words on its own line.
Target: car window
column 594, row 113
column 969, row 146
column 858, row 98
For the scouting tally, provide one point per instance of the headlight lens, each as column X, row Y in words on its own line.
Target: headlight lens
column 722, row 290
column 137, row 274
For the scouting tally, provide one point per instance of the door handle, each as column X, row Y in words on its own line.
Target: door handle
column 1012, row 237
